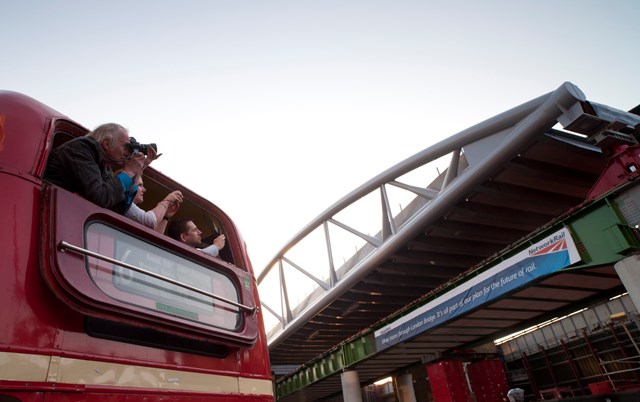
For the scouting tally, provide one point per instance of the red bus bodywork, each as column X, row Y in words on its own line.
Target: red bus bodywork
column 75, row 328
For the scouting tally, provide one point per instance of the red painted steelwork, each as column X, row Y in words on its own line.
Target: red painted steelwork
column 448, row 381
column 488, row 380
column 623, row 166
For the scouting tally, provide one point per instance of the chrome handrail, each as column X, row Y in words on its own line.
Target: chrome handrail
column 63, row 245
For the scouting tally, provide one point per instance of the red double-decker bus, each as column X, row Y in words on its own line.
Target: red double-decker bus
column 94, row 306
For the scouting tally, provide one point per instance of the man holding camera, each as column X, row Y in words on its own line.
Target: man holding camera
column 83, row 165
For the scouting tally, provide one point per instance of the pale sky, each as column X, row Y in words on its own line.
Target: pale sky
column 274, row 110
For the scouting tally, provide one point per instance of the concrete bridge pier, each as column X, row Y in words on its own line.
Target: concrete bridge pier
column 629, row 272
column 404, row 384
column 351, row 390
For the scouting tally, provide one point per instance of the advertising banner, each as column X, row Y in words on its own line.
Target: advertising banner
column 541, row 259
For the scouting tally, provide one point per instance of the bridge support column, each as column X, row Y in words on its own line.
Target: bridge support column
column 351, row 390
column 629, row 272
column 406, row 392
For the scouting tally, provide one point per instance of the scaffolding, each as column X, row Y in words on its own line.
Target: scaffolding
column 593, row 351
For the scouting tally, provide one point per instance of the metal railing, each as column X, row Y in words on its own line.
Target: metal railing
column 64, row 246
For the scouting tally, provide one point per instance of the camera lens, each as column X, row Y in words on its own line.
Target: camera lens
column 135, row 146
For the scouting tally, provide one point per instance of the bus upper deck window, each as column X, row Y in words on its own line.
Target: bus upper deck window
column 172, row 285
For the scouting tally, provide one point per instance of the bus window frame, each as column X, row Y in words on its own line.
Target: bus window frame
column 61, row 270
column 128, row 285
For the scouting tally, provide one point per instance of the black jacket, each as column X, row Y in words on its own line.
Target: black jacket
column 78, row 166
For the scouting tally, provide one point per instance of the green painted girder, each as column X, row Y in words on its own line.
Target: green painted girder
column 344, row 356
column 326, row 365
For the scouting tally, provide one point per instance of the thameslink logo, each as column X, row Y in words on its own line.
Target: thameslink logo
column 555, row 243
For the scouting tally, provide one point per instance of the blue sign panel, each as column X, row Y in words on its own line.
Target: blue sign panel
column 543, row 258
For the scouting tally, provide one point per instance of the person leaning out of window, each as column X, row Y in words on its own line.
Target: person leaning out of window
column 157, row 217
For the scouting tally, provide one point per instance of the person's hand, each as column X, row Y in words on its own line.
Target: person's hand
column 174, row 200
column 172, row 209
column 134, row 165
column 175, row 196
column 152, row 155
column 219, row 242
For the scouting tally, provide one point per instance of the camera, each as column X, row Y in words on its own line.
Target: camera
column 135, row 146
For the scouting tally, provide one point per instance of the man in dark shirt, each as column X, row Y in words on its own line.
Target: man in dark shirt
column 82, row 165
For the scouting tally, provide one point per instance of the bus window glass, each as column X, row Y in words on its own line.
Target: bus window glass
column 163, row 292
